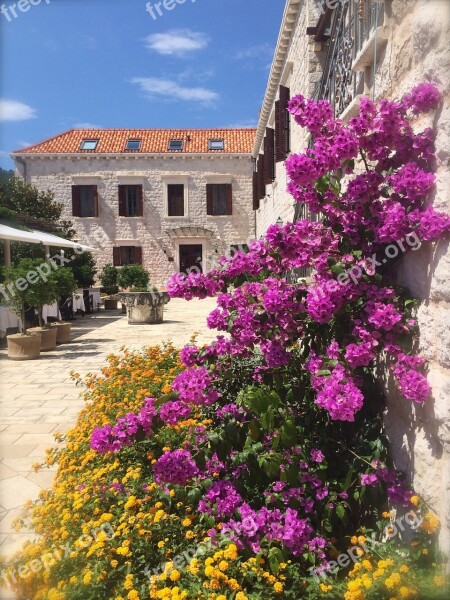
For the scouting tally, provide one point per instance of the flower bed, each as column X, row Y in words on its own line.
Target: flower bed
column 257, row 467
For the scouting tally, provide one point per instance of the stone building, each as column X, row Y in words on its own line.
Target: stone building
column 171, row 200
column 341, row 50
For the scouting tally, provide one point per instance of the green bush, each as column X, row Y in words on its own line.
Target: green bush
column 133, row 276
column 108, row 279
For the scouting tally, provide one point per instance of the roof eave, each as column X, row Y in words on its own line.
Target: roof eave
column 276, row 71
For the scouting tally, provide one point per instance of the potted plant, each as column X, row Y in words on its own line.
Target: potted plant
column 108, row 280
column 65, row 283
column 132, row 277
column 25, row 345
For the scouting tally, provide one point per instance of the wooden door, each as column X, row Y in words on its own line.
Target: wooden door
column 191, row 258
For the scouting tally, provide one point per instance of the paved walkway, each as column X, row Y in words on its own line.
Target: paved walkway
column 38, row 398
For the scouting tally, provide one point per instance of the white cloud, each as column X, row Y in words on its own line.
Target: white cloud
column 86, row 126
column 3, row 153
column 11, row 110
column 156, row 87
column 176, row 42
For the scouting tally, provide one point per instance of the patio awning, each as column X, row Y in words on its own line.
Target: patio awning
column 38, row 237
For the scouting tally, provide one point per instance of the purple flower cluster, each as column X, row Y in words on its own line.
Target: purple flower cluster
column 293, row 532
column 338, row 395
column 172, row 412
column 113, row 438
column 412, row 384
column 359, row 355
column 194, row 386
column 175, row 467
column 221, row 500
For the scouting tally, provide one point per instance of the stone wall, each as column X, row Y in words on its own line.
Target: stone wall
column 418, row 50
column 108, row 229
column 302, row 71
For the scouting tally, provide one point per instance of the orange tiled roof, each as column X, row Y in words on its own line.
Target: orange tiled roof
column 112, row 141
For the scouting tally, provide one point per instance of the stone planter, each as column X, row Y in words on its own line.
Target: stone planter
column 48, row 337
column 24, row 347
column 144, row 307
column 62, row 332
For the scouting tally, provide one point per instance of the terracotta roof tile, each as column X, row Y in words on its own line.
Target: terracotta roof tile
column 112, row 141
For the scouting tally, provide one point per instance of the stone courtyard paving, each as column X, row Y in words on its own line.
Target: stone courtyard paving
column 38, row 398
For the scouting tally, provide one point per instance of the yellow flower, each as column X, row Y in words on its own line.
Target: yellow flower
column 133, row 595
column 186, row 522
column 160, row 544
column 114, row 563
column 414, row 500
column 278, row 587
column 174, row 575
column 87, row 578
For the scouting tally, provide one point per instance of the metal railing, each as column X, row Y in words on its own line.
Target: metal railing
column 350, row 27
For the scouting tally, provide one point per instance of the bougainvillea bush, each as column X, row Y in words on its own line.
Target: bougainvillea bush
column 256, row 467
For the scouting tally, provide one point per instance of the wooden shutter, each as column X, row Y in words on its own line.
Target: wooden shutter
column 255, row 190
column 76, row 201
column 282, row 125
column 138, row 255
column 117, row 257
column 140, row 201
column 209, row 198
column 95, row 196
column 269, row 156
column 261, row 185
column 229, row 188
column 122, row 200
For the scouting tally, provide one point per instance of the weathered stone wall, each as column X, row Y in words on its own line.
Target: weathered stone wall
column 302, row 71
column 108, row 229
column 418, row 50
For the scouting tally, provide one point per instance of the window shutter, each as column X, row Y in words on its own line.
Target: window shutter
column 209, row 199
column 261, row 184
column 282, row 125
column 255, row 190
column 140, row 201
column 269, row 156
column 285, row 96
column 117, row 257
column 95, row 196
column 229, row 198
column 122, row 200
column 138, row 255
column 76, row 201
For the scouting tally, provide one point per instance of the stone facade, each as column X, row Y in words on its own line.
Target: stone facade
column 157, row 234
column 411, row 45
column 297, row 66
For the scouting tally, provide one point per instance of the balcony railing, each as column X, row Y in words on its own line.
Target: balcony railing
column 348, row 28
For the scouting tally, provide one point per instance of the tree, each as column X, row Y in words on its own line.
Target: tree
column 83, row 268
column 133, row 276
column 108, row 279
column 22, row 204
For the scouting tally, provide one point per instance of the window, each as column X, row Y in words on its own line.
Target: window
column 176, row 145
column 219, row 199
column 84, row 201
column 89, row 144
column 133, row 145
column 131, row 201
column 127, row 255
column 175, row 200
column 216, row 144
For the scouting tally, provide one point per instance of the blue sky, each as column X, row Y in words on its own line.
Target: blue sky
column 109, row 63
